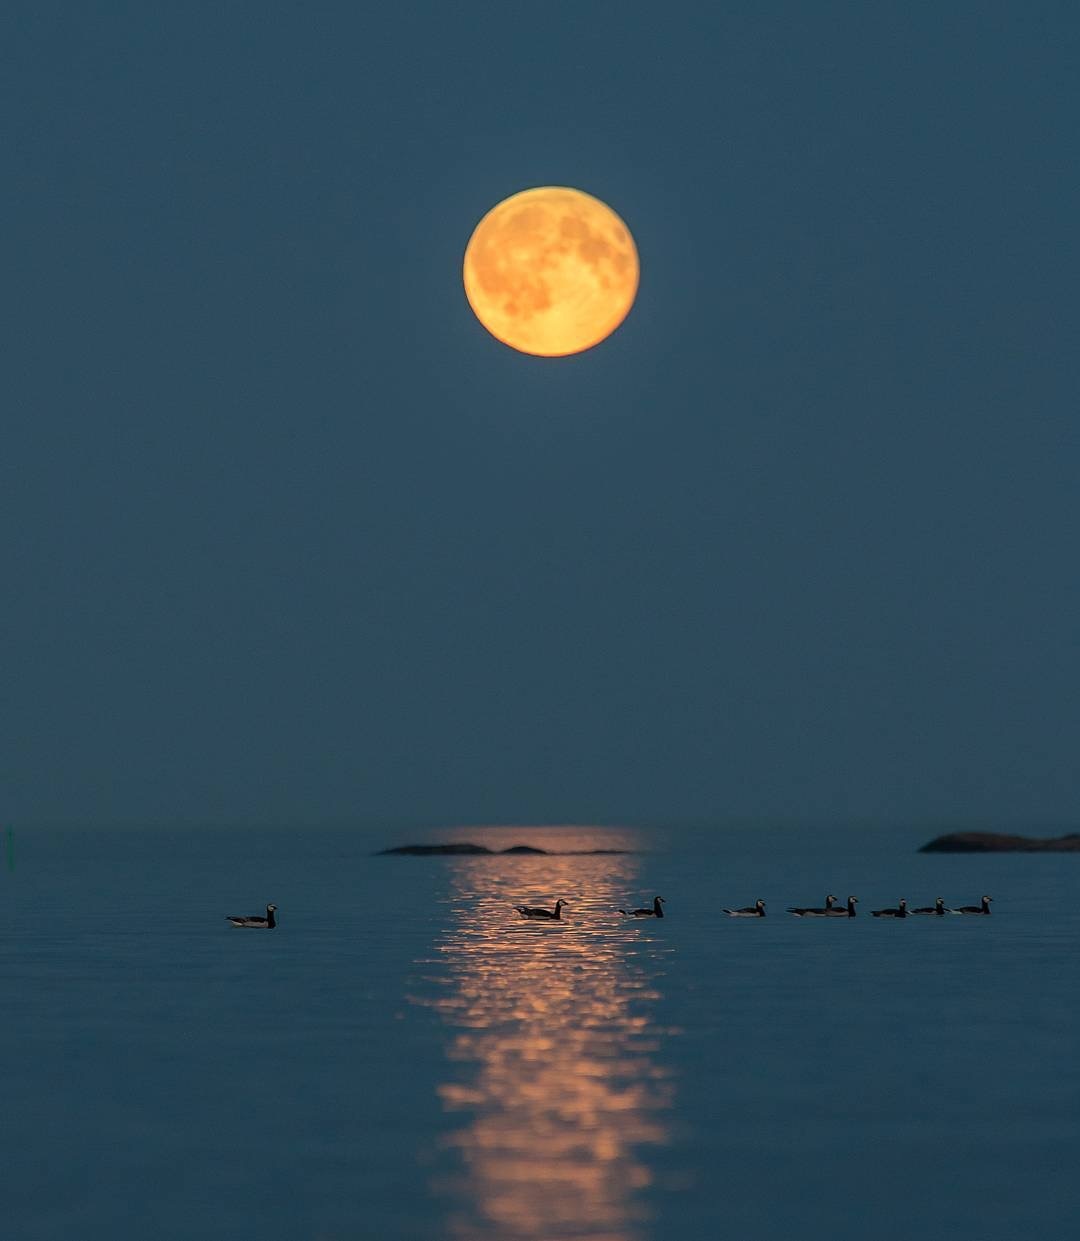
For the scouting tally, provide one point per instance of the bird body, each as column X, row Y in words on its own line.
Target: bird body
column 938, row 907
column 983, row 908
column 847, row 911
column 899, row 912
column 539, row 912
column 756, row 910
column 814, row 911
column 655, row 912
column 256, row 922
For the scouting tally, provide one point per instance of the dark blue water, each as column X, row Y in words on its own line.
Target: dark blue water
column 404, row 1058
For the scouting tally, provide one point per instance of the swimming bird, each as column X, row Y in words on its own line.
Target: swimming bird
column 899, row 912
column 756, row 910
column 848, row 912
column 655, row 912
column 255, row 922
column 813, row 911
column 984, row 908
column 538, row 911
column 938, row 907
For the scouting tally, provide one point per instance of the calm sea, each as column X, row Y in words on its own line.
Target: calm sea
column 404, row 1058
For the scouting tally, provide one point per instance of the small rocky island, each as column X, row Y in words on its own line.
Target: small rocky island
column 998, row 842
column 464, row 849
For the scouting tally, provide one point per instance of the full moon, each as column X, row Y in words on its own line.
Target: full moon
column 551, row 271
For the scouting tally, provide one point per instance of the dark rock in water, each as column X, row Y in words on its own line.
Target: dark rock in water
column 422, row 850
column 463, row 848
column 997, row 842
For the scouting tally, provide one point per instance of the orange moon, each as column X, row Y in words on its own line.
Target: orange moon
column 551, row 271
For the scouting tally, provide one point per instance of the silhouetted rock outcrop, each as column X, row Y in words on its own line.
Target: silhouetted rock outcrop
column 463, row 848
column 998, row 842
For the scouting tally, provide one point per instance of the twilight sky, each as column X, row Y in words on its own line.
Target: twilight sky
column 287, row 536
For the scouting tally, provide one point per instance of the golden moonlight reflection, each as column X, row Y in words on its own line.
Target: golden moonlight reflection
column 555, row 1026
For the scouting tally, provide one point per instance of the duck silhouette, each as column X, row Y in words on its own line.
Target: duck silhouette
column 756, row 910
column 899, row 912
column 938, row 907
column 655, row 912
column 983, row 908
column 538, row 911
column 842, row 912
column 814, row 911
column 256, row 922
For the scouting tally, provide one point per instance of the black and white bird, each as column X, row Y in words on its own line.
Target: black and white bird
column 814, row 911
column 847, row 911
column 538, row 911
column 984, row 908
column 938, row 907
column 256, row 922
column 756, row 910
column 655, row 912
column 899, row 912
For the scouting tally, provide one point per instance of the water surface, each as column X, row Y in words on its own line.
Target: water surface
column 404, row 1057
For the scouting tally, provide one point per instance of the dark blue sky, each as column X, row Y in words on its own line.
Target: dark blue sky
column 286, row 535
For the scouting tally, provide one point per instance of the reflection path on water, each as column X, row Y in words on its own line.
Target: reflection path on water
column 556, row 1029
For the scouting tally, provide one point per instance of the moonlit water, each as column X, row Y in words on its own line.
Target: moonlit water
column 405, row 1057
